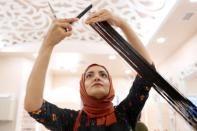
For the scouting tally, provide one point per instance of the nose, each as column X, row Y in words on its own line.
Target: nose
column 97, row 78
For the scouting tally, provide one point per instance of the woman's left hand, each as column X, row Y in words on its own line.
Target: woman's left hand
column 104, row 15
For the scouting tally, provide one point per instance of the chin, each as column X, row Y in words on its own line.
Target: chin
column 98, row 95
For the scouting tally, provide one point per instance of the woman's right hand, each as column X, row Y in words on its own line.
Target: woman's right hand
column 59, row 29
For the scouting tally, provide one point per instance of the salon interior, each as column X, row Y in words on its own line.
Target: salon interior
column 167, row 28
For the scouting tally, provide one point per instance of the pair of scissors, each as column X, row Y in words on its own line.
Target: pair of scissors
column 52, row 10
column 78, row 16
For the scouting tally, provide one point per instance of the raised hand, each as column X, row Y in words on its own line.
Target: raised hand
column 104, row 15
column 59, row 29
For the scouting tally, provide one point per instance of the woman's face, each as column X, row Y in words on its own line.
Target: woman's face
column 97, row 82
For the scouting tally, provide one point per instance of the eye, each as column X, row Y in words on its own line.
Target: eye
column 103, row 75
column 89, row 75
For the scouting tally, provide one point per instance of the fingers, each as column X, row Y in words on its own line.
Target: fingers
column 68, row 20
column 63, row 33
column 96, row 14
column 99, row 16
column 64, row 23
column 65, row 26
column 66, row 34
column 71, row 20
column 62, row 27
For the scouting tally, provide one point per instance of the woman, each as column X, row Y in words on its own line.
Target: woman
column 96, row 89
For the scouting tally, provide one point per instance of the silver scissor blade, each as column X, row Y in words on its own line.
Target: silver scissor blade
column 52, row 10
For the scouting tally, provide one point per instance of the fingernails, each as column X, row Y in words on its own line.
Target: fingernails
column 88, row 22
column 73, row 19
column 76, row 19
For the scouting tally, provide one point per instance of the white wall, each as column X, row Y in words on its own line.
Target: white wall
column 192, row 86
column 12, row 82
column 15, row 70
column 180, row 61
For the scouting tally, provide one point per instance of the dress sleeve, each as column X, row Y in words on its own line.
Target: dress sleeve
column 132, row 105
column 55, row 118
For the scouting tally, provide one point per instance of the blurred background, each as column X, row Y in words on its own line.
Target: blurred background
column 168, row 29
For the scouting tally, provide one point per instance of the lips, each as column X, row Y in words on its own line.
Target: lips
column 97, row 84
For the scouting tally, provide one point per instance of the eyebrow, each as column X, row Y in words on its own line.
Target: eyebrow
column 91, row 72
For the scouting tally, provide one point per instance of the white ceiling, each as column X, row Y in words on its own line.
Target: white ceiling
column 178, row 27
column 26, row 21
column 23, row 24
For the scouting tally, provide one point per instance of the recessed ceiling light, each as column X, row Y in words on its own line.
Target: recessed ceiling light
column 193, row 0
column 74, row 70
column 128, row 71
column 112, row 57
column 35, row 55
column 3, row 42
column 4, row 95
column 1, row 46
column 161, row 40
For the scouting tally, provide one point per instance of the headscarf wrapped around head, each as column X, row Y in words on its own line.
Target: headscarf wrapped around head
column 100, row 109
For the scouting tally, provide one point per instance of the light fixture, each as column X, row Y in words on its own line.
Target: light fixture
column 112, row 57
column 74, row 70
column 35, row 55
column 161, row 40
column 1, row 46
column 128, row 71
column 3, row 42
column 193, row 0
column 5, row 95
